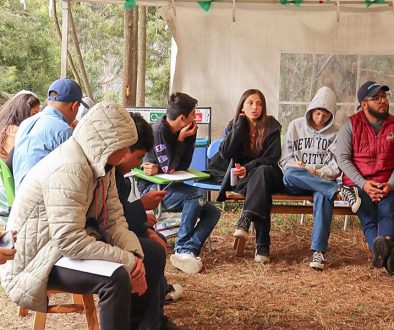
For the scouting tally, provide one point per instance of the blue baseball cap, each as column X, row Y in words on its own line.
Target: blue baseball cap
column 67, row 91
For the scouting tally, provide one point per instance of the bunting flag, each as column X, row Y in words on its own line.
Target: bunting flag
column 371, row 2
column 205, row 4
column 130, row 4
column 295, row 2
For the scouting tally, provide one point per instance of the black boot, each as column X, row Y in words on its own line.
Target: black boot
column 390, row 262
column 382, row 248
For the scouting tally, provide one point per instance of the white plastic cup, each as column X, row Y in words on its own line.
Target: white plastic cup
column 233, row 178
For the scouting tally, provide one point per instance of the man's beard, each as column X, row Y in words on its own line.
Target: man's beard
column 378, row 115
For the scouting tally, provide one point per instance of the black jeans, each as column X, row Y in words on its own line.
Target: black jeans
column 258, row 187
column 119, row 308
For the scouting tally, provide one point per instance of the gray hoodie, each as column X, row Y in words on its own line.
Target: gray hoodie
column 314, row 148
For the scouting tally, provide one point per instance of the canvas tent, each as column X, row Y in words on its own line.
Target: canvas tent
column 286, row 51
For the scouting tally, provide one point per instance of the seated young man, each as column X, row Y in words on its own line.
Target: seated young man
column 140, row 222
column 365, row 154
column 68, row 206
column 174, row 139
column 310, row 167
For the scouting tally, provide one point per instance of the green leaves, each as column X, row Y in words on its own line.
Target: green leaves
column 29, row 51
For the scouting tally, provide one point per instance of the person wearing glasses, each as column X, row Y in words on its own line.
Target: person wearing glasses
column 365, row 153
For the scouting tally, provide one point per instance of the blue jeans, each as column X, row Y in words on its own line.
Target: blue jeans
column 193, row 204
column 377, row 219
column 298, row 181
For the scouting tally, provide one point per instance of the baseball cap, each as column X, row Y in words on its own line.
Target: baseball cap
column 82, row 110
column 67, row 91
column 370, row 89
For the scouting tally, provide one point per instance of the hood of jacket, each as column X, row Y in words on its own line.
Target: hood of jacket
column 324, row 99
column 106, row 128
column 57, row 197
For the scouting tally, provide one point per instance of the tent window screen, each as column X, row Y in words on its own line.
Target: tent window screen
column 301, row 75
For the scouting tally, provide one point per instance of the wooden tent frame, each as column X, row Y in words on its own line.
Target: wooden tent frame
column 338, row 4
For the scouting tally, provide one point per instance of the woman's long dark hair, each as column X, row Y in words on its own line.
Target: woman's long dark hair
column 14, row 111
column 262, row 123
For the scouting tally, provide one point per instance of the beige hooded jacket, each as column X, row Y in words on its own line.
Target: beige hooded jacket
column 57, row 196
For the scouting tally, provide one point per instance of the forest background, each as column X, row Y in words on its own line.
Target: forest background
column 30, row 49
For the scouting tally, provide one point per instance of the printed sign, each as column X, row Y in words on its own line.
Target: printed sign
column 155, row 116
column 151, row 115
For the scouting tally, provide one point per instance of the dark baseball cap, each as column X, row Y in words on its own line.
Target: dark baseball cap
column 67, row 91
column 370, row 89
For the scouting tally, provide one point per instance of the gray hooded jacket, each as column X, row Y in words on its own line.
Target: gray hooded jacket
column 56, row 198
column 314, row 148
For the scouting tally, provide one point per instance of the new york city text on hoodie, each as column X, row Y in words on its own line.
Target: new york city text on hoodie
column 313, row 148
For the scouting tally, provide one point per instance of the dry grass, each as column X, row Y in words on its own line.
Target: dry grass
column 237, row 293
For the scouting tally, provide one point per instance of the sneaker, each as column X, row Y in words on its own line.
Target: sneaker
column 174, row 292
column 242, row 225
column 167, row 324
column 186, row 262
column 318, row 262
column 262, row 255
column 350, row 195
column 390, row 263
column 382, row 247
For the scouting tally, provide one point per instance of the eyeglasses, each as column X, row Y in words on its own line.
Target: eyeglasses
column 379, row 98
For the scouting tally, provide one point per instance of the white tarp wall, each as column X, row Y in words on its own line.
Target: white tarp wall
column 218, row 59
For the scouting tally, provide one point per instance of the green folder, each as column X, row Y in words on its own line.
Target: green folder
column 198, row 175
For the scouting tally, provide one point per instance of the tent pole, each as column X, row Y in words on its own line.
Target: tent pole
column 63, row 59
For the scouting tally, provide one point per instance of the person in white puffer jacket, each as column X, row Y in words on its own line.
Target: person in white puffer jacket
column 68, row 206
column 310, row 167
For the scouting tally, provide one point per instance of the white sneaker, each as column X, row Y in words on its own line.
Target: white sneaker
column 186, row 262
column 175, row 291
column 264, row 259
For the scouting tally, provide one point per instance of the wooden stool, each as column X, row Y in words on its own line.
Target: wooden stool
column 82, row 303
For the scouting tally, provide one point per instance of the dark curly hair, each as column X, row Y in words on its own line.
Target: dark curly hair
column 180, row 104
column 144, row 131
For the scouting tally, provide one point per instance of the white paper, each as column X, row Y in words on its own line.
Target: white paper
column 129, row 174
column 177, row 176
column 169, row 223
column 170, row 232
column 99, row 267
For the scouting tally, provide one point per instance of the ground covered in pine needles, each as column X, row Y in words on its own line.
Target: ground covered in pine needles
column 236, row 293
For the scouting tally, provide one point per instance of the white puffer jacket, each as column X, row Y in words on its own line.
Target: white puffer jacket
column 59, row 194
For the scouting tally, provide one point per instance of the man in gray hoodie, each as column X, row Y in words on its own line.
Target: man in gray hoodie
column 310, row 167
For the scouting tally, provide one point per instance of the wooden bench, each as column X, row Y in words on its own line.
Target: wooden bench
column 289, row 204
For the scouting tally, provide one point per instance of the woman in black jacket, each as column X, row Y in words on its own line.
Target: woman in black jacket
column 252, row 145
